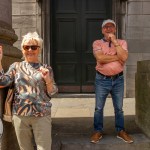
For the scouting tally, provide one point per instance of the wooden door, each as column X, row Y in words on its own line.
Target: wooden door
column 75, row 24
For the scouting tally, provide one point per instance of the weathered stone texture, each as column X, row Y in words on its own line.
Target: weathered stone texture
column 133, row 58
column 138, row 46
column 135, row 8
column 142, row 95
column 24, row 18
column 134, row 33
column 24, row 21
column 146, row 6
column 5, row 12
column 24, row 9
column 130, row 82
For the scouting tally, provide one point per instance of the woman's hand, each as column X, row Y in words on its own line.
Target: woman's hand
column 45, row 74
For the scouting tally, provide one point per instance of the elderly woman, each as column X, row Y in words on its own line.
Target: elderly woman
column 34, row 85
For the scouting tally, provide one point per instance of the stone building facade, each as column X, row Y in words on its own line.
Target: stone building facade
column 25, row 18
column 138, row 37
column 132, row 16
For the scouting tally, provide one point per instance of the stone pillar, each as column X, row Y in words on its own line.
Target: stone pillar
column 10, row 55
column 142, row 96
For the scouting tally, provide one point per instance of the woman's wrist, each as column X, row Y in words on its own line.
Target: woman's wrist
column 48, row 83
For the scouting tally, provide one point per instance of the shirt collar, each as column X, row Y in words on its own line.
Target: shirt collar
column 106, row 41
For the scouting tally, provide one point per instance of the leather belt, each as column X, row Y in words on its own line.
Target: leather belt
column 111, row 77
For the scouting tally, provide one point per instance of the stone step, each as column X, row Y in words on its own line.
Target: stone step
column 74, row 134
column 108, row 142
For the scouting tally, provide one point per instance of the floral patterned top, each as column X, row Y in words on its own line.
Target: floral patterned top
column 31, row 97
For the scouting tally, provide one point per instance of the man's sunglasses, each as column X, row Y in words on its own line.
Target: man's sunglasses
column 33, row 47
column 111, row 27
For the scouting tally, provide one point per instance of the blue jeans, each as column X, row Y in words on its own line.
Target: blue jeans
column 104, row 86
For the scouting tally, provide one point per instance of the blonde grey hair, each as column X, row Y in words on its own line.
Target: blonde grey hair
column 32, row 36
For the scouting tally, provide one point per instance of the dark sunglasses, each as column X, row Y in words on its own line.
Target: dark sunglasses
column 33, row 47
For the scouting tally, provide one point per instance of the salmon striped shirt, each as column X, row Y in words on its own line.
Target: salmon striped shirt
column 111, row 68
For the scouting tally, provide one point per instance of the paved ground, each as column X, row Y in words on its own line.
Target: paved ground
column 84, row 107
column 72, row 125
column 75, row 115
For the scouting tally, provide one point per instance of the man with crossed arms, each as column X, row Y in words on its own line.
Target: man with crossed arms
column 111, row 54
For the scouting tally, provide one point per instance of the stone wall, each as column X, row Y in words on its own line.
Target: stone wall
column 25, row 18
column 138, row 37
column 142, row 96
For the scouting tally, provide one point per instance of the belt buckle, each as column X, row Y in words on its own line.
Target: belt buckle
column 113, row 77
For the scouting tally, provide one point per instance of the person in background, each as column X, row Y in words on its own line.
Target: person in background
column 34, row 85
column 110, row 54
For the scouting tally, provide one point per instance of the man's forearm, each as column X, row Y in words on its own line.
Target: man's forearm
column 121, row 53
column 107, row 58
